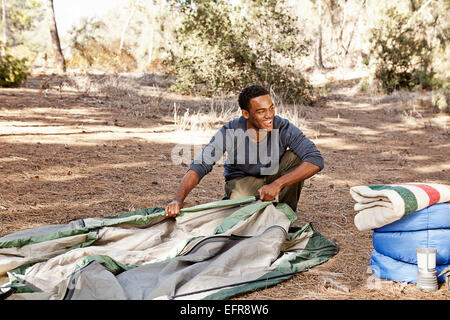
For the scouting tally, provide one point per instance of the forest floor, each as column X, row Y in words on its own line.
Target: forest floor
column 84, row 146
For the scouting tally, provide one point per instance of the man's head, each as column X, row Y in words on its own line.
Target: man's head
column 249, row 93
column 257, row 107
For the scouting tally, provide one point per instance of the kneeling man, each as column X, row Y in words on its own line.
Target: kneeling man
column 266, row 155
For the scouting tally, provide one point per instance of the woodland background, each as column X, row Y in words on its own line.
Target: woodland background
column 90, row 116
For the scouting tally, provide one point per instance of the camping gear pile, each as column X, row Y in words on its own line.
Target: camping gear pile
column 215, row 250
column 404, row 217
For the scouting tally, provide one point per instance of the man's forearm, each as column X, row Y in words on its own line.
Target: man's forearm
column 189, row 181
column 304, row 171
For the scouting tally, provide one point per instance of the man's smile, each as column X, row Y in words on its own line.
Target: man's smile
column 268, row 123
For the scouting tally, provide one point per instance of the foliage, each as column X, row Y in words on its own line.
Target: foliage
column 93, row 53
column 89, row 50
column 225, row 47
column 21, row 15
column 13, row 71
column 441, row 100
column 401, row 53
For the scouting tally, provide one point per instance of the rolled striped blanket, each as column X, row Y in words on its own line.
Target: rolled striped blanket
column 378, row 205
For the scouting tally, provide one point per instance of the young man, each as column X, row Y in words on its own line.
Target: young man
column 266, row 155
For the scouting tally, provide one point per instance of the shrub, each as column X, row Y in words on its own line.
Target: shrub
column 93, row 53
column 401, row 54
column 13, row 71
column 441, row 100
column 89, row 49
column 222, row 50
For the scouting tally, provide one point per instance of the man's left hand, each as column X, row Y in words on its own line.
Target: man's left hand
column 269, row 192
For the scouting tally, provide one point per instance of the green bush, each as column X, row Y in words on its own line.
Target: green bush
column 13, row 71
column 441, row 100
column 401, row 54
column 221, row 50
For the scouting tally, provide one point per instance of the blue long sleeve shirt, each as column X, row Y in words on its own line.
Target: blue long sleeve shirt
column 246, row 157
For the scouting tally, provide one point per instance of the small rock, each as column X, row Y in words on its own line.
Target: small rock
column 328, row 282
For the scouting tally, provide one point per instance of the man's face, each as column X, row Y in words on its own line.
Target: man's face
column 260, row 114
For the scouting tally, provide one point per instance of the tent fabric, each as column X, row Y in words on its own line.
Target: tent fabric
column 211, row 251
column 379, row 205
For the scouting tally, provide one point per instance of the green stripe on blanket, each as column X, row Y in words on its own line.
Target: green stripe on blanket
column 378, row 205
column 408, row 197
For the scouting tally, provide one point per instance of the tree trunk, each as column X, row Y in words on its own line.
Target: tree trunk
column 319, row 38
column 60, row 63
column 4, row 28
column 150, row 46
column 415, row 14
column 124, row 29
column 363, row 4
column 344, row 21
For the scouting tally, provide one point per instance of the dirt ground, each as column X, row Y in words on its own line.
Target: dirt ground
column 69, row 152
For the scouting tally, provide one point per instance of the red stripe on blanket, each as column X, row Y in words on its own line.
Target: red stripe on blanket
column 432, row 193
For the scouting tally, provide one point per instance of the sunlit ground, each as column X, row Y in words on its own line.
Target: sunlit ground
column 63, row 158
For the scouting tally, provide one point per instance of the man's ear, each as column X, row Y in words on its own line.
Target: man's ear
column 245, row 113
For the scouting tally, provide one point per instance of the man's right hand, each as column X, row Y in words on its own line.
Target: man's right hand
column 173, row 208
column 189, row 181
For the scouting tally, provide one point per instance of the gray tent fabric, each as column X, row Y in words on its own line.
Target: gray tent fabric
column 212, row 251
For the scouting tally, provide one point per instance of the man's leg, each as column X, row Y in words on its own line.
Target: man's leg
column 248, row 186
column 290, row 194
column 243, row 187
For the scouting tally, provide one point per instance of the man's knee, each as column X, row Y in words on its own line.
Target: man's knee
column 288, row 162
column 243, row 187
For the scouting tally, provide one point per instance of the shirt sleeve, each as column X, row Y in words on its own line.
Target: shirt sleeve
column 211, row 153
column 303, row 147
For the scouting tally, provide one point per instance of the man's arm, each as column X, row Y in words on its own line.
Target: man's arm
column 304, row 171
column 201, row 166
column 189, row 181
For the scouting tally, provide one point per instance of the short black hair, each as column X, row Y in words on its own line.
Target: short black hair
column 249, row 93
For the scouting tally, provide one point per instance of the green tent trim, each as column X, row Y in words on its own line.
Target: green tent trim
column 240, row 215
column 139, row 217
column 108, row 262
column 218, row 204
column 18, row 243
column 318, row 250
